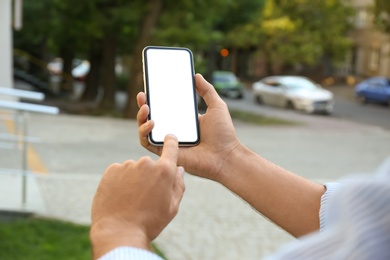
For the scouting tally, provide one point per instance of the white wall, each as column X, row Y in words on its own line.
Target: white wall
column 5, row 44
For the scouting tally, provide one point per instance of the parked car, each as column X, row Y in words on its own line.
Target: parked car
column 80, row 68
column 227, row 84
column 376, row 89
column 293, row 92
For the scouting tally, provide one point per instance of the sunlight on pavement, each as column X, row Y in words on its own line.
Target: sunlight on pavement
column 34, row 162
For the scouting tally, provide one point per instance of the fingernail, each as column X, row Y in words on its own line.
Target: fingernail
column 172, row 136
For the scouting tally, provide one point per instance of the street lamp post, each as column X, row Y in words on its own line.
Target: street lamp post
column 18, row 14
column 5, row 44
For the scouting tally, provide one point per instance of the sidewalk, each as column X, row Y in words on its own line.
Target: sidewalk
column 212, row 222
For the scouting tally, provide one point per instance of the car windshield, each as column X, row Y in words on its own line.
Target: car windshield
column 298, row 83
column 225, row 78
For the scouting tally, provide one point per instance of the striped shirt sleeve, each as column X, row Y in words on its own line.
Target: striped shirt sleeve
column 356, row 224
column 129, row 253
column 330, row 188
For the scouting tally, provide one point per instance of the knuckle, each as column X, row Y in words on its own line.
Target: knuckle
column 175, row 210
column 113, row 167
column 128, row 162
column 145, row 160
column 165, row 165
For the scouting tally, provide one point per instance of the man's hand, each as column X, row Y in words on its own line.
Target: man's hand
column 218, row 137
column 135, row 201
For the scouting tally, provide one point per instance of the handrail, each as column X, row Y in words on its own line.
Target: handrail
column 19, row 106
column 21, row 109
column 22, row 93
column 40, row 63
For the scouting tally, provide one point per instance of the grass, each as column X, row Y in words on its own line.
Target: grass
column 36, row 238
column 39, row 238
column 257, row 119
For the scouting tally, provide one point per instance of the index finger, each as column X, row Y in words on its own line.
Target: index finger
column 170, row 149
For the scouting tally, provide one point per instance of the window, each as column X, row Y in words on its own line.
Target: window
column 361, row 18
column 373, row 62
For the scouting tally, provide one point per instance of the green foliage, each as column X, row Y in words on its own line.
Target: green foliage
column 197, row 23
column 34, row 31
column 284, row 31
column 297, row 30
column 382, row 15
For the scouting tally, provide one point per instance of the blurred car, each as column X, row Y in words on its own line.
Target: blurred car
column 376, row 89
column 80, row 68
column 293, row 92
column 227, row 84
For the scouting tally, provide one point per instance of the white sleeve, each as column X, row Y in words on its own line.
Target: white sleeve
column 356, row 224
column 129, row 253
column 324, row 208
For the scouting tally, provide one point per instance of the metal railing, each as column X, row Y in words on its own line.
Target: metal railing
column 21, row 110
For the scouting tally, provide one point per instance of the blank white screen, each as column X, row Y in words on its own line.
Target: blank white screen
column 171, row 96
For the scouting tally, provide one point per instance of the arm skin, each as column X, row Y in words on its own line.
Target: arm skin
column 286, row 199
column 135, row 201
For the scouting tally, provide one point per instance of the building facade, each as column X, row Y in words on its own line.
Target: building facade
column 370, row 54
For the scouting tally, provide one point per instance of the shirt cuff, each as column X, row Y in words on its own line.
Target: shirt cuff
column 330, row 188
column 129, row 253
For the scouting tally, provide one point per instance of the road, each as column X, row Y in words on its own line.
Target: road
column 212, row 223
column 346, row 108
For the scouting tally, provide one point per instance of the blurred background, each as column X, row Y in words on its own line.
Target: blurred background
column 306, row 82
column 87, row 51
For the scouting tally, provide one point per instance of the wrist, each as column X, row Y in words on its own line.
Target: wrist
column 233, row 162
column 108, row 235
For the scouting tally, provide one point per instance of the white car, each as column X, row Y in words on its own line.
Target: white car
column 294, row 92
column 80, row 68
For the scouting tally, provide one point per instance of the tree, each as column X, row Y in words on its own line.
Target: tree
column 100, row 30
column 28, row 39
column 194, row 24
column 382, row 15
column 296, row 31
column 144, row 38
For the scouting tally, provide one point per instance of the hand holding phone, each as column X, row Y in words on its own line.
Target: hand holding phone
column 170, row 89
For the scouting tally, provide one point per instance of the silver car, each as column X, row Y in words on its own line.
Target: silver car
column 293, row 92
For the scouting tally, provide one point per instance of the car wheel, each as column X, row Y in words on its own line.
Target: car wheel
column 361, row 99
column 290, row 105
column 234, row 95
column 327, row 113
column 258, row 99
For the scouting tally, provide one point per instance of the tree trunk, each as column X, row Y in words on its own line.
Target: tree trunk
column 109, row 86
column 234, row 63
column 92, row 82
column 211, row 61
column 67, row 56
column 269, row 66
column 144, row 39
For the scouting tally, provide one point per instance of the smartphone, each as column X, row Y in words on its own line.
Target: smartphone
column 171, row 95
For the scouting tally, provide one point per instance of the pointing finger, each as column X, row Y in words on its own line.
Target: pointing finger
column 171, row 149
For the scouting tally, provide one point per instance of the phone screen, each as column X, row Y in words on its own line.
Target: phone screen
column 171, row 95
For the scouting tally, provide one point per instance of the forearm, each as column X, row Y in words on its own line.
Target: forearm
column 105, row 237
column 288, row 200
